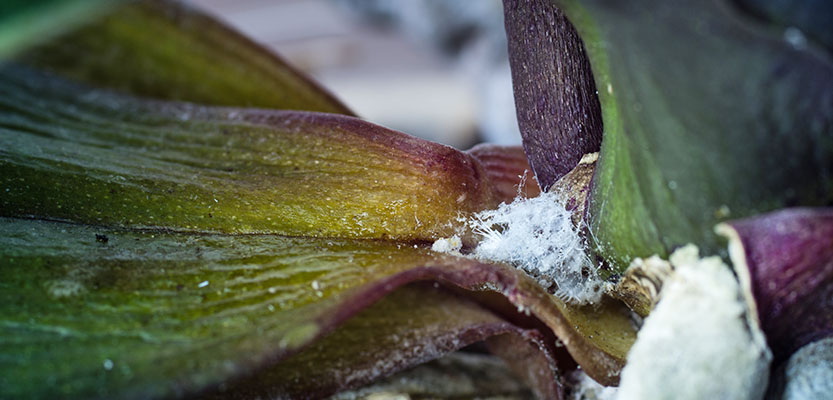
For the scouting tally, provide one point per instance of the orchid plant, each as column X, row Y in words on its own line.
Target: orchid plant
column 184, row 214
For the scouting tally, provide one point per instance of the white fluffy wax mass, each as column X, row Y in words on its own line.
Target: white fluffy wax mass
column 538, row 236
column 699, row 342
column 809, row 372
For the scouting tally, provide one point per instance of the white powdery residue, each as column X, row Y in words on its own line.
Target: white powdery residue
column 585, row 388
column 450, row 245
column 698, row 343
column 538, row 236
column 809, row 372
column 795, row 37
column 64, row 288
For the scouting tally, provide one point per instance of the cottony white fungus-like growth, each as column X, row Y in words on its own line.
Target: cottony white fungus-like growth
column 538, row 236
column 585, row 388
column 450, row 245
column 808, row 374
column 699, row 342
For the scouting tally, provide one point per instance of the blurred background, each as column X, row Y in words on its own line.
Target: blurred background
column 437, row 69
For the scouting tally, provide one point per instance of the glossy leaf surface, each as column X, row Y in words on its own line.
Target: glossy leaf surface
column 148, row 314
column 707, row 115
column 170, row 50
column 162, row 302
column 90, row 156
column 171, row 312
column 712, row 118
column 27, row 22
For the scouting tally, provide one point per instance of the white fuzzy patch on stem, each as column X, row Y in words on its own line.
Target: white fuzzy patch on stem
column 699, row 342
column 450, row 245
column 585, row 388
column 538, row 236
column 809, row 372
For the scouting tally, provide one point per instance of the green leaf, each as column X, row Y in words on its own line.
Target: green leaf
column 90, row 156
column 162, row 302
column 148, row 313
column 100, row 312
column 169, row 50
column 171, row 312
column 24, row 23
column 707, row 115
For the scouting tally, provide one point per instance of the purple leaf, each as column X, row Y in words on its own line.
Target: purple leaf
column 555, row 94
column 527, row 355
column 412, row 325
column 785, row 262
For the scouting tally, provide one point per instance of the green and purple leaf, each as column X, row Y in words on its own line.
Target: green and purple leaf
column 155, row 293
column 114, row 312
column 708, row 115
column 102, row 312
column 412, row 325
column 91, row 156
column 785, row 262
